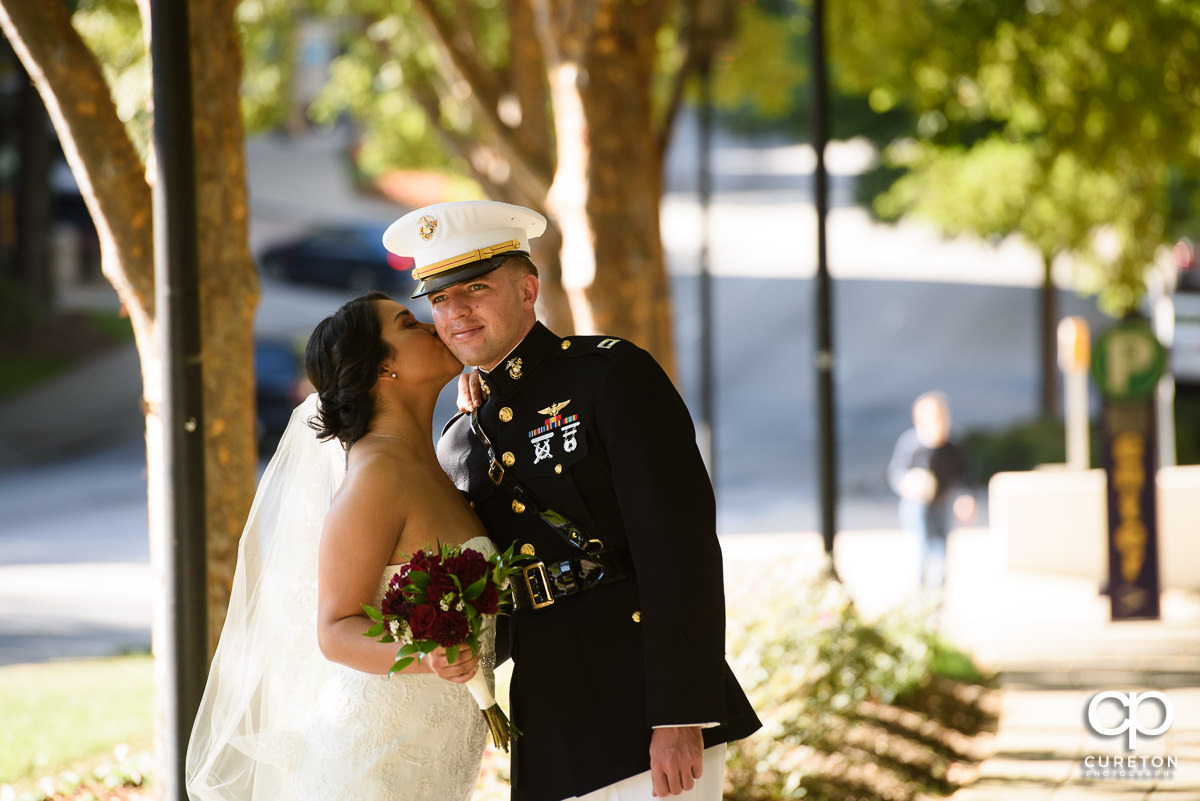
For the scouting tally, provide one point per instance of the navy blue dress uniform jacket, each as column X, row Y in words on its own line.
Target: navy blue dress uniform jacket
column 593, row 428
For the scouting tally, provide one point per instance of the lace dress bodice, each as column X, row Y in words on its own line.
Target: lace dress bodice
column 405, row 738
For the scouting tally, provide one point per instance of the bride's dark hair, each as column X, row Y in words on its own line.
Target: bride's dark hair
column 342, row 360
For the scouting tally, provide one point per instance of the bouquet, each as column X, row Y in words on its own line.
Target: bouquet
column 440, row 598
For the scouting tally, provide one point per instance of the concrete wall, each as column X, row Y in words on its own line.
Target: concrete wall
column 1056, row 520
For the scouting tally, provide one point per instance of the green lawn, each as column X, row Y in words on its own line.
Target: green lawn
column 72, row 714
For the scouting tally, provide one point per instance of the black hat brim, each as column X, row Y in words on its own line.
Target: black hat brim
column 474, row 269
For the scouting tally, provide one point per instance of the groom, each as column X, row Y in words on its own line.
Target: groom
column 584, row 455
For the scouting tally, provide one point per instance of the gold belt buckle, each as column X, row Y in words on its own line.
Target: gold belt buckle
column 536, row 574
column 496, row 472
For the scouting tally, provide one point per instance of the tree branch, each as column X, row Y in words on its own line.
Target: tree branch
column 485, row 95
column 527, row 65
column 707, row 25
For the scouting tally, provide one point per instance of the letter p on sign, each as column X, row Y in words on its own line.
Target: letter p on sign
column 1128, row 360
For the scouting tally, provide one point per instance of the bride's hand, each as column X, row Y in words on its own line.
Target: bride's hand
column 458, row 671
column 470, row 393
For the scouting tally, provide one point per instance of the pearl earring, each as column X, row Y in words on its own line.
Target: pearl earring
column 393, row 375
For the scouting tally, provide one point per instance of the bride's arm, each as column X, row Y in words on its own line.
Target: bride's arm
column 360, row 534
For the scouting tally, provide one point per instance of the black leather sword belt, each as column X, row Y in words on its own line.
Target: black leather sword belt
column 541, row 584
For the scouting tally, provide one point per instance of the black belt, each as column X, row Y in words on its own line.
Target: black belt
column 543, row 583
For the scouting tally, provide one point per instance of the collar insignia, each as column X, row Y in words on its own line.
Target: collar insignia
column 514, row 368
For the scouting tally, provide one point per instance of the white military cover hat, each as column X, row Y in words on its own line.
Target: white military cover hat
column 453, row 242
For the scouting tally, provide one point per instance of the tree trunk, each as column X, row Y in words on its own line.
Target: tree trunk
column 608, row 179
column 229, row 293
column 1049, row 341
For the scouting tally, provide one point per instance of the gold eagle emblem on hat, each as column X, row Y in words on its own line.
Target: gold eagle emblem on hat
column 427, row 227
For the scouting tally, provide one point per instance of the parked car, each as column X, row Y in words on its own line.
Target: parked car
column 280, row 386
column 346, row 256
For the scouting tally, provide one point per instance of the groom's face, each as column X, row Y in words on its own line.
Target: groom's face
column 484, row 318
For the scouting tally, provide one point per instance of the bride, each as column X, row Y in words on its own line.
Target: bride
column 298, row 703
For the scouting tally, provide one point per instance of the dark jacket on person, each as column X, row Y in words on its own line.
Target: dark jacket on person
column 592, row 428
column 947, row 463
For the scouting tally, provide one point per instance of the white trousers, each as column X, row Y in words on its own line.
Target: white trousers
column 708, row 787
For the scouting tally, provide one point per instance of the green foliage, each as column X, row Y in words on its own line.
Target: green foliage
column 1093, row 107
column 390, row 77
column 1020, row 447
column 761, row 80
column 1187, row 425
column 268, row 32
column 809, row 662
column 947, row 661
column 112, row 326
column 18, row 308
column 112, row 29
column 1023, row 446
column 61, row 713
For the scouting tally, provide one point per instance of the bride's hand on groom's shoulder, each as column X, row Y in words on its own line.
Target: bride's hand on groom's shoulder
column 460, row 670
column 470, row 393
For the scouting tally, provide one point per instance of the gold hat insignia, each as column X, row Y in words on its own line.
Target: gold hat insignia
column 427, row 227
column 554, row 408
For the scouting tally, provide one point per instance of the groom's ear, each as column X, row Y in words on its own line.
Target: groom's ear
column 530, row 289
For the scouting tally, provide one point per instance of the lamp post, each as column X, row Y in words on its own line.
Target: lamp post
column 824, row 361
column 179, row 538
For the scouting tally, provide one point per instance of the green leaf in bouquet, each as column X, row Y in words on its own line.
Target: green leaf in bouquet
column 410, row 650
column 451, row 653
column 400, row 665
column 373, row 613
column 376, row 630
column 475, row 590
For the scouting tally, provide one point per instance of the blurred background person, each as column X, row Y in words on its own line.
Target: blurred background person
column 928, row 470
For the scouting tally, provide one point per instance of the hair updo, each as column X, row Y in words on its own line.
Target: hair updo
column 342, row 360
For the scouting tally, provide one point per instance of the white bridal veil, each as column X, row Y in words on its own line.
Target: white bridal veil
column 267, row 667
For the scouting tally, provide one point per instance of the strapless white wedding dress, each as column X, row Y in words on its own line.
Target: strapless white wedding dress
column 404, row 738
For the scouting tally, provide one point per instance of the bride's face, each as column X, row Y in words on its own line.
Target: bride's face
column 417, row 353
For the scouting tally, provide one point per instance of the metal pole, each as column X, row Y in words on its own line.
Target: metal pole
column 708, row 434
column 826, row 423
column 176, row 273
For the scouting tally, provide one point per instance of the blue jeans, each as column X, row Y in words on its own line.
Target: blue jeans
column 929, row 526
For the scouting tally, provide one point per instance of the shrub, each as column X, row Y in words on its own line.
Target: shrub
column 828, row 685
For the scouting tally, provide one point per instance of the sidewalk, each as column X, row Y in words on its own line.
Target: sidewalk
column 1050, row 640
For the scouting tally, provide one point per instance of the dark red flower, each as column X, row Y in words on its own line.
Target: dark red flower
column 449, row 628
column 423, row 621
column 488, row 601
column 395, row 602
column 470, row 566
column 440, row 582
column 420, row 561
